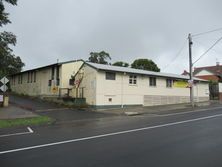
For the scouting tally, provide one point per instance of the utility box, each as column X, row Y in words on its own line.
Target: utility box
column 4, row 100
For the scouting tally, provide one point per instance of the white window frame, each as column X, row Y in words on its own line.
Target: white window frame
column 132, row 79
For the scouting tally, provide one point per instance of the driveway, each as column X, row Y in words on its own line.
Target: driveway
column 60, row 113
column 33, row 104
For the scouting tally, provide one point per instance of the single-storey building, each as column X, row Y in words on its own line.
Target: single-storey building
column 50, row 80
column 107, row 85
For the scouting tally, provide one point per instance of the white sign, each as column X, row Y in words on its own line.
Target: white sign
column 1, row 98
column 220, row 87
column 3, row 88
column 4, row 80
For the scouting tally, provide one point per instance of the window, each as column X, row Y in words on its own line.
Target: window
column 152, row 81
column 53, row 73
column 110, row 76
column 132, row 79
column 71, row 81
column 21, row 79
column 28, row 78
column 169, row 83
column 50, row 83
column 34, row 75
column 57, row 82
column 57, row 76
column 18, row 79
column 31, row 77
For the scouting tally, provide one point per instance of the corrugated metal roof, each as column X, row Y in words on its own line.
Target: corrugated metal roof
column 137, row 71
column 47, row 66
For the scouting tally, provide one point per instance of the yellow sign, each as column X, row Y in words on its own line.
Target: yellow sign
column 180, row 84
column 55, row 89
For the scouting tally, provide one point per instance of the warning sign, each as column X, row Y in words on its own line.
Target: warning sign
column 55, row 89
column 180, row 84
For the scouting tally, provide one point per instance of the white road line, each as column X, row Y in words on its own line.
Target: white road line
column 30, row 130
column 186, row 112
column 109, row 134
column 16, row 134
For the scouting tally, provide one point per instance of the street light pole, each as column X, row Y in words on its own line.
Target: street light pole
column 191, row 70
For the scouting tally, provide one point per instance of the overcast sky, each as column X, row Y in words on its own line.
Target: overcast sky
column 48, row 30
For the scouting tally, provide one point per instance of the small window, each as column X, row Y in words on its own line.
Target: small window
column 28, row 78
column 152, row 81
column 71, row 81
column 50, row 83
column 110, row 76
column 18, row 79
column 34, row 75
column 31, row 77
column 21, row 79
column 169, row 83
column 52, row 73
column 57, row 82
column 132, row 79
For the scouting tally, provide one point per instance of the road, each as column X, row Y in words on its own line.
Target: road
column 172, row 140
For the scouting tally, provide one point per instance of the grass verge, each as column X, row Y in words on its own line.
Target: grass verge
column 25, row 121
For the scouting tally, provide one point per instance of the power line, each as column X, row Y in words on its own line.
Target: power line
column 174, row 58
column 207, row 32
column 208, row 50
column 204, row 45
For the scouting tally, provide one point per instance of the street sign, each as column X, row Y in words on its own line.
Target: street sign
column 1, row 98
column 3, row 88
column 4, row 80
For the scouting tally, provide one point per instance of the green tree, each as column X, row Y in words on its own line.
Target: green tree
column 121, row 64
column 9, row 63
column 145, row 64
column 99, row 57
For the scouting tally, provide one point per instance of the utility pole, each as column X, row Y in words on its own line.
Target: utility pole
column 191, row 70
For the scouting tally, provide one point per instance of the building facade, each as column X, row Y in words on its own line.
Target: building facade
column 47, row 80
column 106, row 85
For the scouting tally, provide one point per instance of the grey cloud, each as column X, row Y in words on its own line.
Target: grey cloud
column 127, row 29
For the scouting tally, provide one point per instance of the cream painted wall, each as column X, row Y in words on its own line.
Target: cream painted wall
column 67, row 70
column 122, row 92
column 40, row 87
column 88, row 84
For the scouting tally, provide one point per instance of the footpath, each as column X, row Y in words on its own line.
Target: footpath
column 14, row 112
column 163, row 109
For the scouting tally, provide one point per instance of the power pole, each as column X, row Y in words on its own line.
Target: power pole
column 191, row 70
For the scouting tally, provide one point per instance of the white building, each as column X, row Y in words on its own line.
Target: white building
column 106, row 85
column 112, row 86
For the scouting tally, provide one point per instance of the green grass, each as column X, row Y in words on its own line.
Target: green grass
column 25, row 121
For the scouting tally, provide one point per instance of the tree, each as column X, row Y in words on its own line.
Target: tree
column 9, row 63
column 99, row 57
column 145, row 64
column 121, row 64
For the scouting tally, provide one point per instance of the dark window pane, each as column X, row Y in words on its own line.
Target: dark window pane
column 110, row 76
column 50, row 83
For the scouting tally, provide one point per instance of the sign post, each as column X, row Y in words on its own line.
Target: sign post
column 4, row 88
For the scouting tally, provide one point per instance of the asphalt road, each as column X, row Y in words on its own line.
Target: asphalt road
column 191, row 139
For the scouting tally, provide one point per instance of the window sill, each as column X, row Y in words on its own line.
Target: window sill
column 133, row 85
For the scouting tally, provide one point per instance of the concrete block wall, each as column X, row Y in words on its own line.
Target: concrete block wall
column 152, row 100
